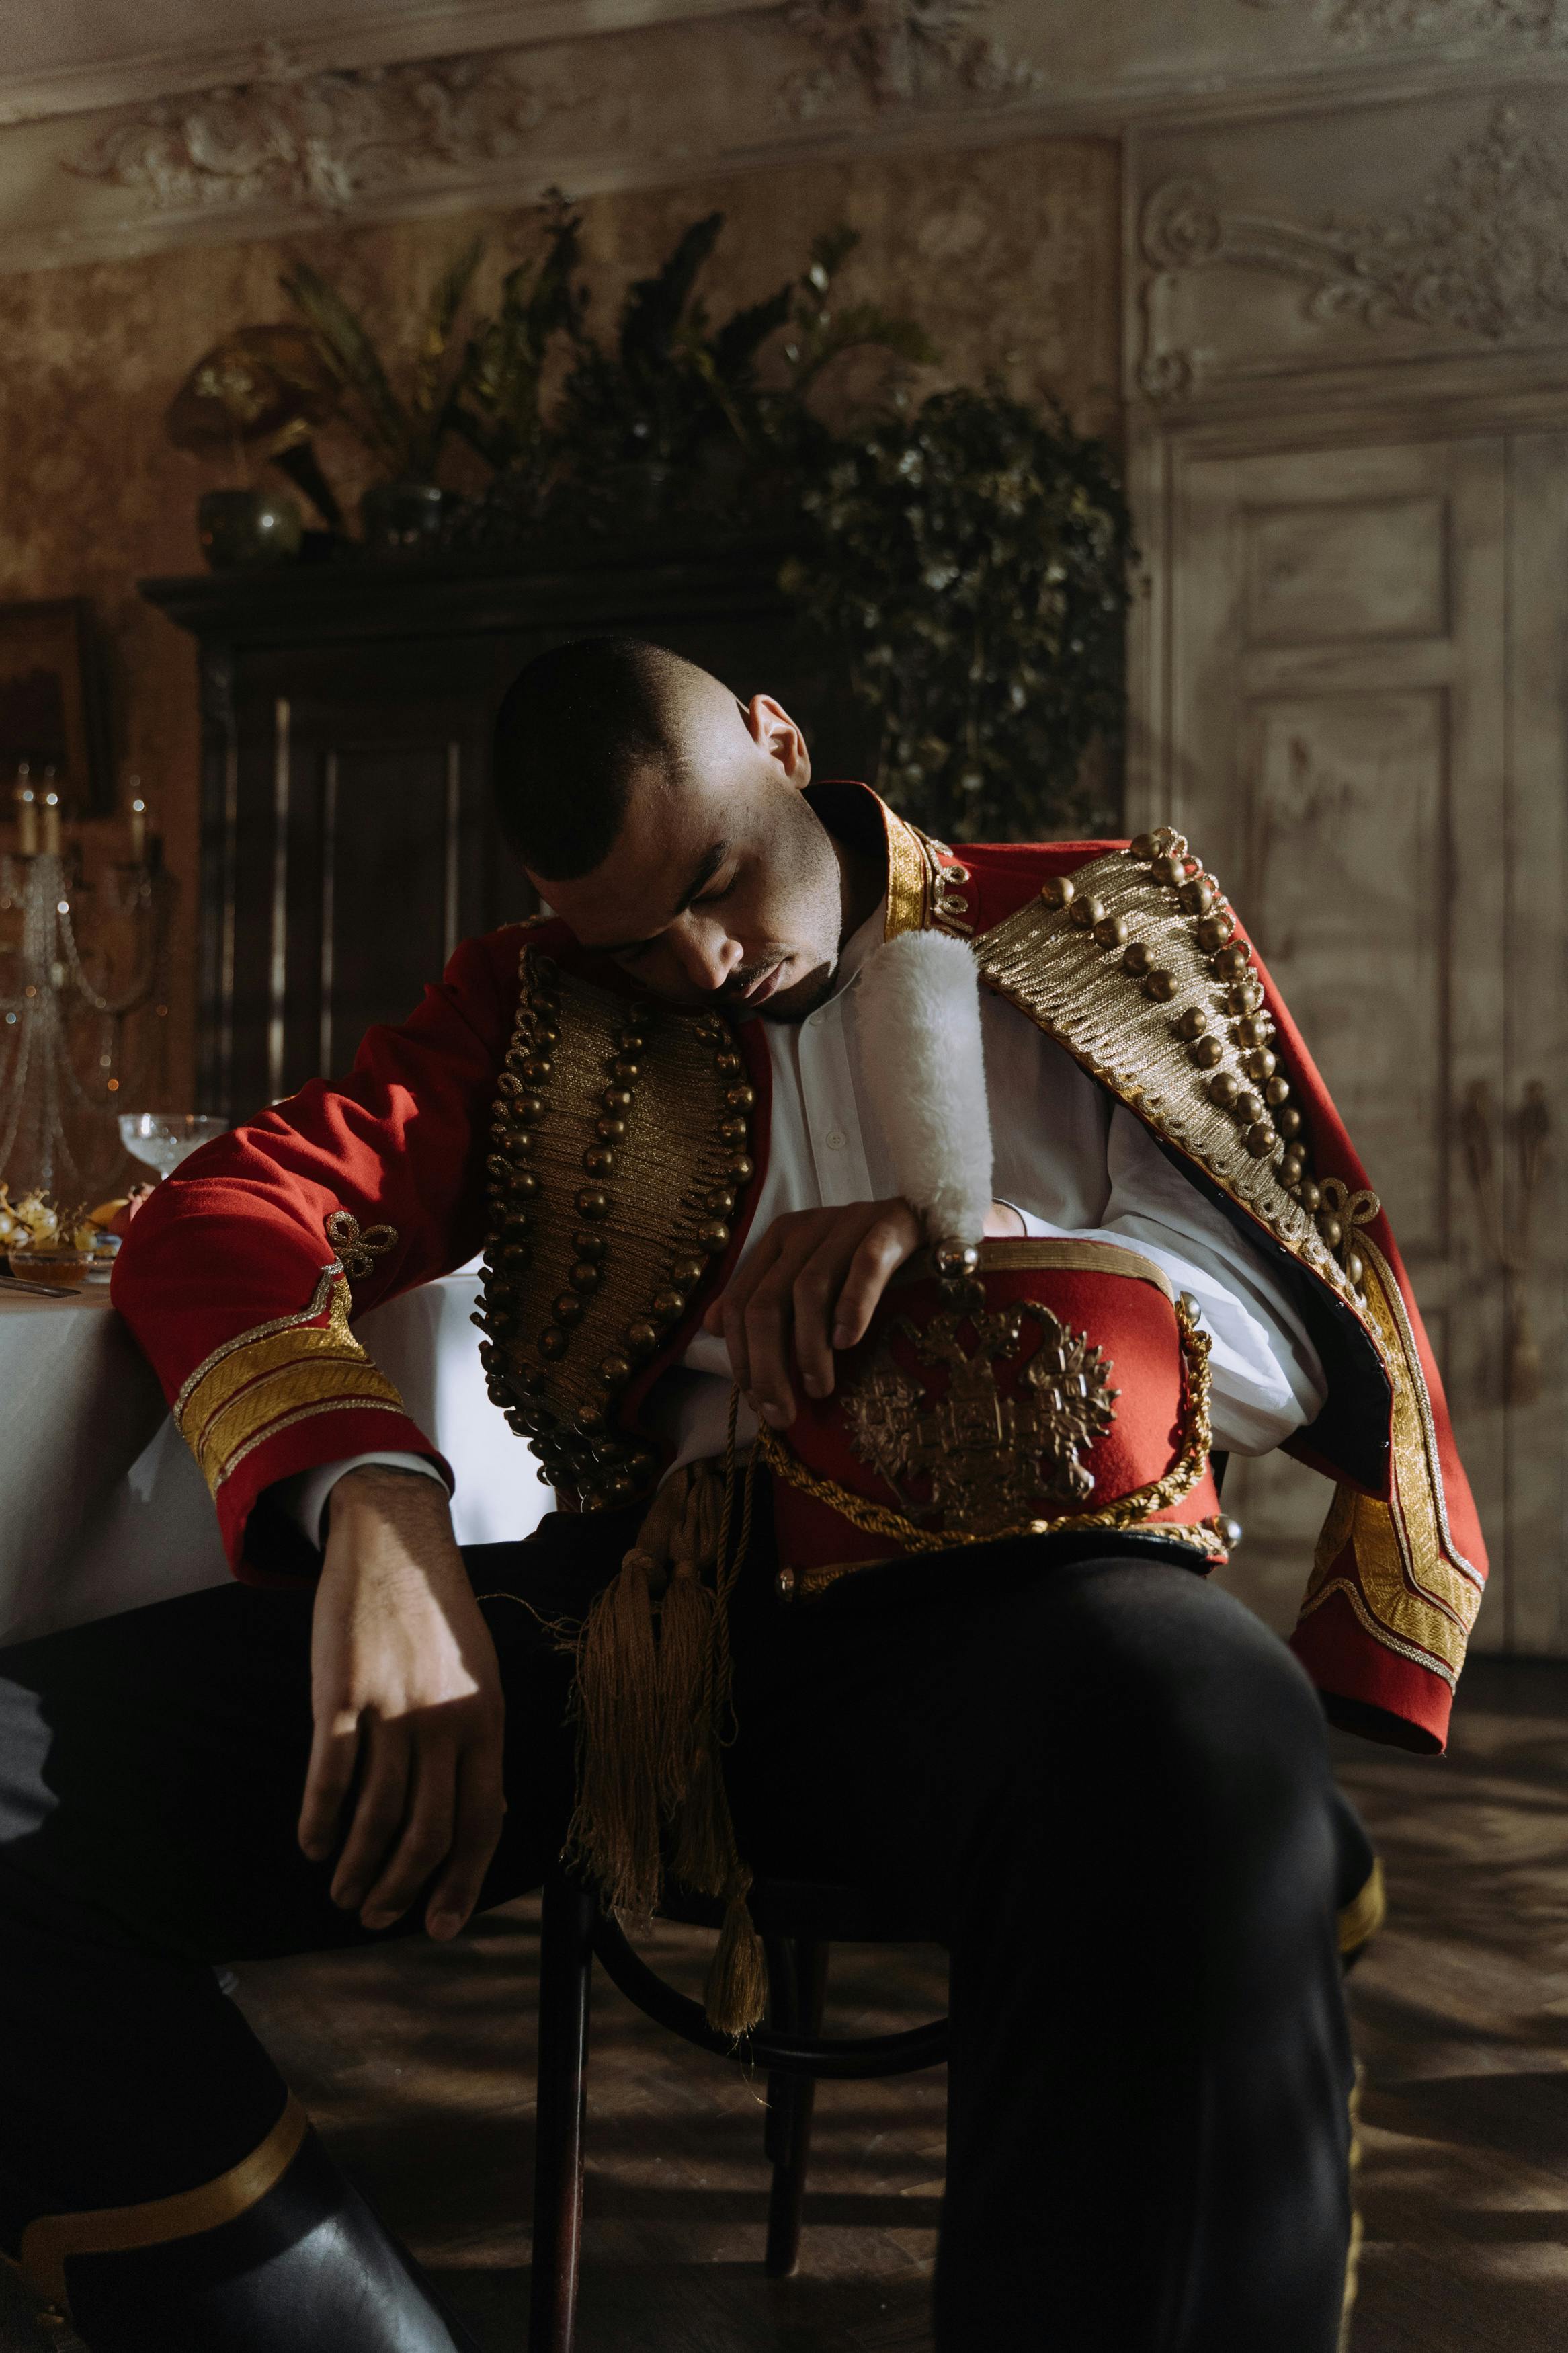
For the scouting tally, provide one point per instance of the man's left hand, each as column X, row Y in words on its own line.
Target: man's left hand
column 811, row 1285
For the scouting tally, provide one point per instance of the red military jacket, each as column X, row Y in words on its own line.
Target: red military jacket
column 242, row 1274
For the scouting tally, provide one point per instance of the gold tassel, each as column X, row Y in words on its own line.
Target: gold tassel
column 615, row 1829
column 737, row 1989
column 684, row 1637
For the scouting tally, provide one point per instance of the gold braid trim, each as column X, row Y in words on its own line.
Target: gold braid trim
column 1361, row 1919
column 1126, row 1511
column 619, row 1159
column 1412, row 1589
column 279, row 1373
column 48, row 2245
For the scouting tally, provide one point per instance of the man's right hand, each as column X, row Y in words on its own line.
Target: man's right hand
column 406, row 1697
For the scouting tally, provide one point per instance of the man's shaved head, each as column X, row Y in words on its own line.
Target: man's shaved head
column 667, row 822
column 579, row 729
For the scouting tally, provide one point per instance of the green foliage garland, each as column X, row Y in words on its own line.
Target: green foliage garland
column 974, row 563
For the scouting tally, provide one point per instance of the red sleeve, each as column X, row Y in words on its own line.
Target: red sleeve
column 236, row 1277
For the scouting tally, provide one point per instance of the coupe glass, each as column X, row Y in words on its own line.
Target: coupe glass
column 164, row 1138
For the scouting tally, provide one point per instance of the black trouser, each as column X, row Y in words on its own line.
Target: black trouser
column 1108, row 1782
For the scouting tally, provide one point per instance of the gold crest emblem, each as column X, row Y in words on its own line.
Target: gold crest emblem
column 984, row 1456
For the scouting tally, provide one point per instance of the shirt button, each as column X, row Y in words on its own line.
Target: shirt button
column 835, row 1142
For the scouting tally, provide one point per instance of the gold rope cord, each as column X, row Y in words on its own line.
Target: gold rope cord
column 1128, row 1511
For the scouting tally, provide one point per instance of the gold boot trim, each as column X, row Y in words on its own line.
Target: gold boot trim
column 1364, row 1915
column 49, row 2242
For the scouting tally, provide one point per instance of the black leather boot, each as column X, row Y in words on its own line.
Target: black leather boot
column 304, row 2268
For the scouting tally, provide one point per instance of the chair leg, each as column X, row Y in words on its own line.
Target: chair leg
column 791, row 2100
column 565, row 1973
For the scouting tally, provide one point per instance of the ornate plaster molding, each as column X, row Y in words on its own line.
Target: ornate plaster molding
column 1539, row 24
column 1484, row 251
column 900, row 52
column 319, row 140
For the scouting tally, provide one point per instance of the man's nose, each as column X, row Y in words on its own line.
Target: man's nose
column 707, row 953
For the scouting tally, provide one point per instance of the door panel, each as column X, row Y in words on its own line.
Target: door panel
column 1340, row 723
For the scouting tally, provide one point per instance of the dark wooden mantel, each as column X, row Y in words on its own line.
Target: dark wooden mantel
column 347, row 837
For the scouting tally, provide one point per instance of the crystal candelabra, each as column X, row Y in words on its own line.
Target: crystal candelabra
column 69, row 1055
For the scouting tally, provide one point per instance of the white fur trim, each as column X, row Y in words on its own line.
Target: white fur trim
column 924, row 1069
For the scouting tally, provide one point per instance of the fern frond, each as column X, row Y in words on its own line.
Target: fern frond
column 348, row 352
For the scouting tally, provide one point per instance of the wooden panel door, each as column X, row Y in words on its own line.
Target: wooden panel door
column 1340, row 755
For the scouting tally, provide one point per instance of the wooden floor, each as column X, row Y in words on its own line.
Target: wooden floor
column 416, row 2061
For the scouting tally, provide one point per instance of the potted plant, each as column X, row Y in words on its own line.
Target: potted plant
column 405, row 432
column 973, row 565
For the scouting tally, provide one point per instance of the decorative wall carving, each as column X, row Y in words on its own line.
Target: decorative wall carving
column 321, row 140
column 1543, row 24
column 1485, row 252
column 899, row 52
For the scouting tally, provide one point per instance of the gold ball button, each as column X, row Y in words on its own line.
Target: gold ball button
column 741, row 1098
column 728, row 1062
column 612, row 1130
column 1260, row 1139
column 1058, row 890
column 1309, row 1193
column 567, row 1308
column 1161, row 985
column 642, row 1337
column 551, row 1341
column 583, row 1276
column 1233, row 961
column 1289, row 1121
column 1145, row 845
column 1087, row 913
column 1248, row 1104
column 1224, row 1089
column 615, row 1371
column 617, row 1099
column 1260, row 1064
column 714, row 1236
column 668, row 1305
column 626, row 1072
column 1214, row 931
column 1192, row 1023
column 1137, row 960
column 686, row 1271
column 1277, row 1091
column 589, row 1245
column 1111, row 931
column 1355, row 1267
column 1171, row 871
column 598, row 1160
column 1196, row 897
column 1329, row 1228
column 1207, row 1053
column 740, row 1168
column 593, row 1204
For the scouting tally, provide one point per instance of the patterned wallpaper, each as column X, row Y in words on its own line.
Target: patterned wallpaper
column 1008, row 254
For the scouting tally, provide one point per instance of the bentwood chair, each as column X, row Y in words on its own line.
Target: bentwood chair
column 797, row 1921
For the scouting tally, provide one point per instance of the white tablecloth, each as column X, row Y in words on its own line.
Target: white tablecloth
column 101, row 1505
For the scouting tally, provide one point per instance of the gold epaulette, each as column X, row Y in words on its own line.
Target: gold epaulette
column 280, row 1373
column 1134, row 965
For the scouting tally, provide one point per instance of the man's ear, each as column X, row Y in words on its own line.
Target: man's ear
column 773, row 731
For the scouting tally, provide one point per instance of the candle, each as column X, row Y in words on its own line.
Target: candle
column 27, row 817
column 51, row 824
column 138, row 827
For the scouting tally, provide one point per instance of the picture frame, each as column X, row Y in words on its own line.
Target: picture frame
column 54, row 703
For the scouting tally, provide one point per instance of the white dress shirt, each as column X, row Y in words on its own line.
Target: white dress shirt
column 1068, row 1158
